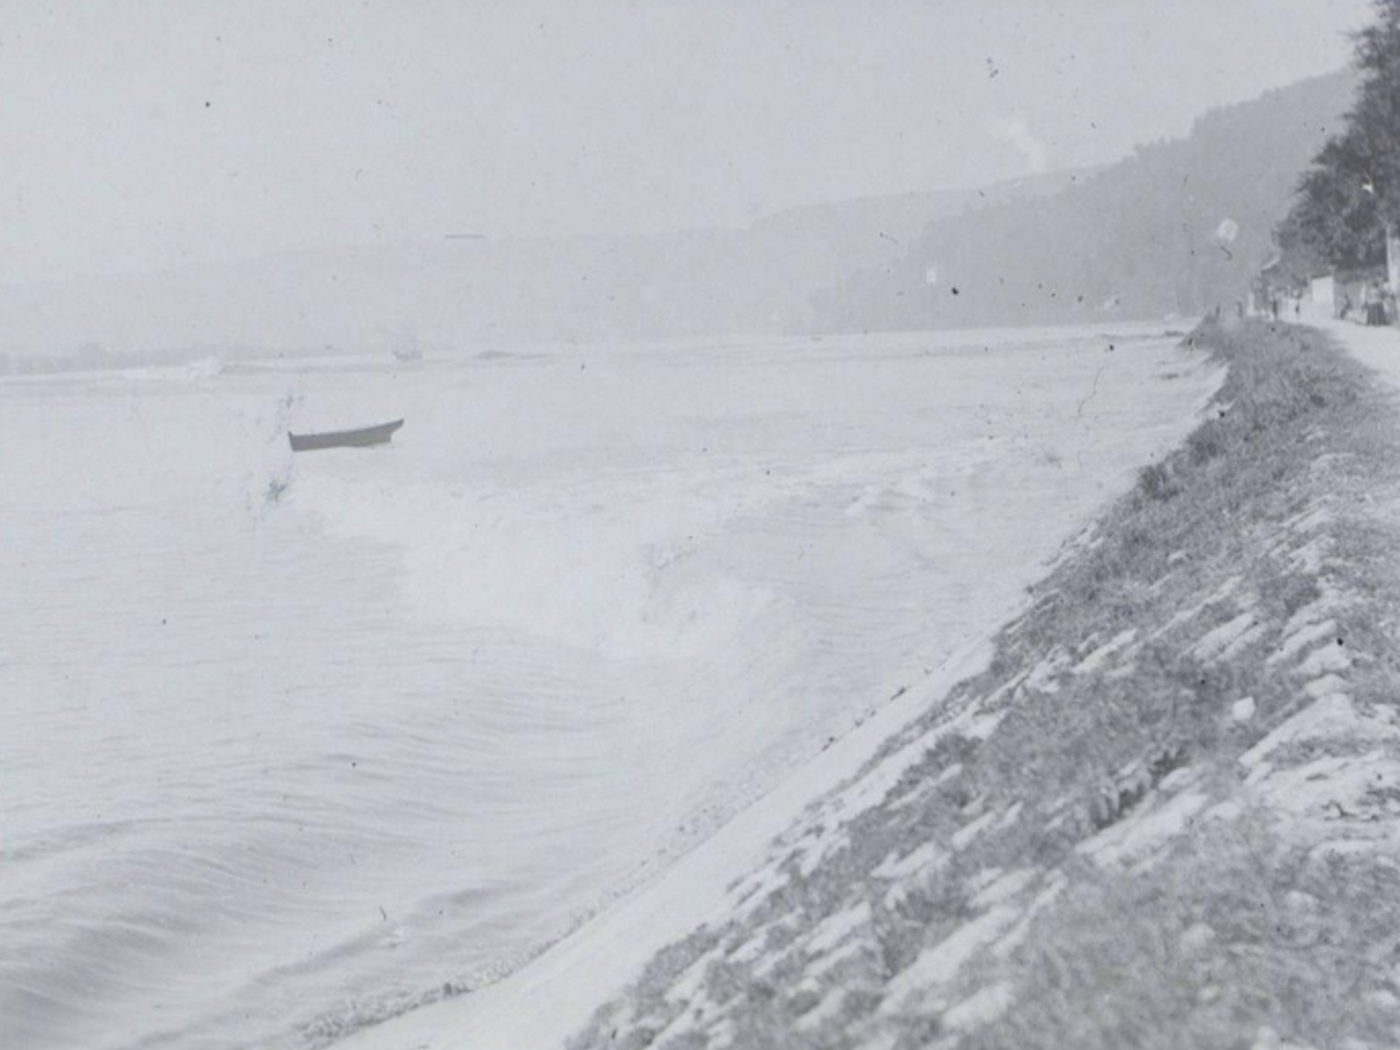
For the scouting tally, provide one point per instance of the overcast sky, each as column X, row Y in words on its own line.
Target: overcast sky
column 139, row 135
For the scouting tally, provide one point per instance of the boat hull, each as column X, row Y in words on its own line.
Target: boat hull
column 361, row 438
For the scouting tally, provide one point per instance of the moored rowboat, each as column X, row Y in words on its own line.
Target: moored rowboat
column 375, row 435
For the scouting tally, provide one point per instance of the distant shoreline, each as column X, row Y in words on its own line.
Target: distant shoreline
column 233, row 359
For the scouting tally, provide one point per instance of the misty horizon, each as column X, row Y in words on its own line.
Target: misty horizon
column 196, row 136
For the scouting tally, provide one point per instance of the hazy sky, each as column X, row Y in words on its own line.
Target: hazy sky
column 140, row 135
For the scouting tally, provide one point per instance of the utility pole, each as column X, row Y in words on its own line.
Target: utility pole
column 1392, row 258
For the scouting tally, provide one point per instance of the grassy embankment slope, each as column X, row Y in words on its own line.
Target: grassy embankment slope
column 1168, row 812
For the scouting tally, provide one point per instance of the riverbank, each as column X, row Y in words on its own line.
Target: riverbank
column 1082, row 426
column 1163, row 815
column 431, row 709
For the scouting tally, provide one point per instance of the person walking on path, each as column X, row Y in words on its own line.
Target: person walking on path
column 1375, row 306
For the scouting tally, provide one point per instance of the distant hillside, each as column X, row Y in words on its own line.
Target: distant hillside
column 1178, row 227
column 1138, row 239
column 455, row 292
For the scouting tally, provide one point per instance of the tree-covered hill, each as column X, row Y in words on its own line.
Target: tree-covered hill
column 497, row 289
column 1350, row 194
column 1177, row 228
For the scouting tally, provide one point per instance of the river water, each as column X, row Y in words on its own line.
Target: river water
column 288, row 744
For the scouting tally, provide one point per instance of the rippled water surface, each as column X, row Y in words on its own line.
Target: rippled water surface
column 289, row 744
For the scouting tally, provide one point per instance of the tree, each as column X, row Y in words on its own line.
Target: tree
column 1336, row 219
column 1352, row 190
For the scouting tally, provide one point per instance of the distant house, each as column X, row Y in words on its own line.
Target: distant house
column 1320, row 295
column 1322, row 292
column 1314, row 299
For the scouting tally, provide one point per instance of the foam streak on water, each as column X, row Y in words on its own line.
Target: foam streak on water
column 289, row 744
